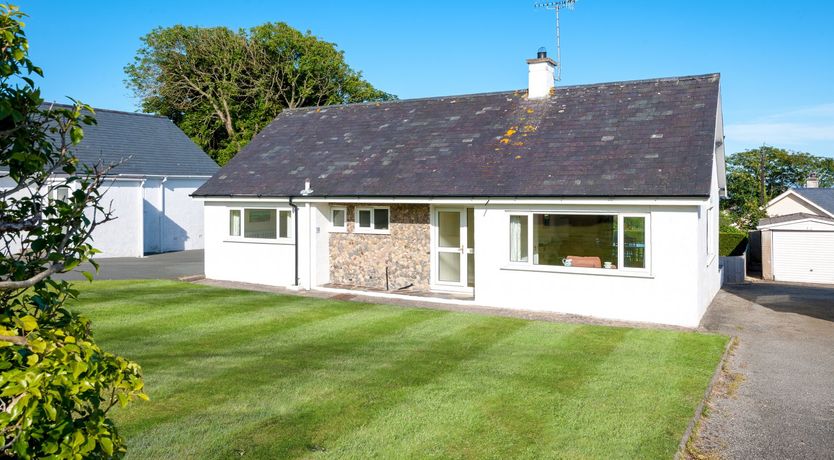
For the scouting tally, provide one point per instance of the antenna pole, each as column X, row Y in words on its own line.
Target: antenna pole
column 556, row 6
column 558, row 49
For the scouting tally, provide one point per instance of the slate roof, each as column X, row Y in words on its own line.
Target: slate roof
column 153, row 144
column 791, row 218
column 822, row 197
column 637, row 138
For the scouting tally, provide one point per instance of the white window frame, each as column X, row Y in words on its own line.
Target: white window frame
column 711, row 233
column 290, row 239
column 358, row 229
column 343, row 228
column 621, row 270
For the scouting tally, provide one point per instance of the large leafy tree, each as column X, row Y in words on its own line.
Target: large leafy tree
column 56, row 384
column 222, row 86
column 756, row 176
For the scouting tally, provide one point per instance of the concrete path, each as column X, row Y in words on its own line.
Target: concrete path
column 170, row 265
column 784, row 403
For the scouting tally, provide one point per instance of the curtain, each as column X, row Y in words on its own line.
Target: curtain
column 518, row 238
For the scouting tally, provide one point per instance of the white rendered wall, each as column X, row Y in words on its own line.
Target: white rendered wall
column 791, row 204
column 709, row 281
column 173, row 221
column 121, row 237
column 668, row 295
column 260, row 263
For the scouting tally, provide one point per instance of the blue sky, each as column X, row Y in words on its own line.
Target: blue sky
column 776, row 58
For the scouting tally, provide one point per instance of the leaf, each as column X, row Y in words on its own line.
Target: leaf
column 106, row 445
column 88, row 275
column 76, row 134
column 29, row 323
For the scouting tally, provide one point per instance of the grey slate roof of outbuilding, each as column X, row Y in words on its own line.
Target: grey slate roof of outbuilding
column 152, row 145
column 791, row 218
column 638, row 138
column 822, row 197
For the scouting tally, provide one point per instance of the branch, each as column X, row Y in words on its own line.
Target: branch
column 23, row 225
column 15, row 339
column 24, row 284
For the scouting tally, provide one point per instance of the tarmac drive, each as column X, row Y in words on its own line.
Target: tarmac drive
column 784, row 407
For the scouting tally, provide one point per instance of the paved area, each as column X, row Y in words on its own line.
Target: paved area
column 169, row 265
column 783, row 405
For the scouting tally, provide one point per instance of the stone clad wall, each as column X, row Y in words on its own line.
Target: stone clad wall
column 360, row 259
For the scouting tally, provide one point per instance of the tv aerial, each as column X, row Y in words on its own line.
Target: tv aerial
column 557, row 6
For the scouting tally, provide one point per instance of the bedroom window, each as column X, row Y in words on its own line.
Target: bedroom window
column 260, row 224
column 338, row 219
column 597, row 241
column 372, row 220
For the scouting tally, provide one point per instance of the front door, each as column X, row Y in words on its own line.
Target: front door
column 452, row 249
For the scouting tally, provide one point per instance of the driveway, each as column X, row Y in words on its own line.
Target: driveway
column 170, row 265
column 784, row 404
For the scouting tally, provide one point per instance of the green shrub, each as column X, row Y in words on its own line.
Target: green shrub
column 732, row 244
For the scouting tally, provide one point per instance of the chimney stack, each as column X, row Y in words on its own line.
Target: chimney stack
column 541, row 75
column 812, row 181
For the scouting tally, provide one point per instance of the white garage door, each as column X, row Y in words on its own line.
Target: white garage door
column 803, row 256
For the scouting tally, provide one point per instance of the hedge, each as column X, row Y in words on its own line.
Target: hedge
column 732, row 244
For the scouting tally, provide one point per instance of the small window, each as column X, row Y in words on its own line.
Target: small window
column 372, row 220
column 338, row 218
column 634, row 240
column 260, row 223
column 381, row 219
column 234, row 222
column 284, row 229
column 518, row 238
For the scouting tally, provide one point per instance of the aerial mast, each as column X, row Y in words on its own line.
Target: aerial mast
column 556, row 6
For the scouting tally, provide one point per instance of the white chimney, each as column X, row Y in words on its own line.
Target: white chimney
column 812, row 181
column 541, row 75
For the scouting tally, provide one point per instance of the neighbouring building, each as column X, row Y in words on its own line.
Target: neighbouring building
column 598, row 200
column 797, row 237
column 150, row 190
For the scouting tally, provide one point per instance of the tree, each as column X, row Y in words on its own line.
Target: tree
column 221, row 87
column 756, row 176
column 56, row 384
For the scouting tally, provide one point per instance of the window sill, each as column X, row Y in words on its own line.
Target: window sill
column 578, row 270
column 371, row 232
column 259, row 241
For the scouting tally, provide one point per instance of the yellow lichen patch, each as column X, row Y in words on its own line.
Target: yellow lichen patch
column 505, row 141
column 529, row 128
column 511, row 131
column 518, row 157
column 529, row 110
column 518, row 144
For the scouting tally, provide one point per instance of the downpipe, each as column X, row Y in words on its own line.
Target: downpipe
column 295, row 238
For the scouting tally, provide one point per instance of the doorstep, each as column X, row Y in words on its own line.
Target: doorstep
column 433, row 296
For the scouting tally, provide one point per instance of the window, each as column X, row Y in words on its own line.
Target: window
column 601, row 241
column 372, row 220
column 284, row 230
column 260, row 224
column 710, row 234
column 518, row 238
column 234, row 222
column 338, row 218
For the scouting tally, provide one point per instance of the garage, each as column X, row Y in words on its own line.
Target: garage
column 800, row 250
column 806, row 257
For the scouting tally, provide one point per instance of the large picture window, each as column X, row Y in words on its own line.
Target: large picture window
column 596, row 241
column 260, row 224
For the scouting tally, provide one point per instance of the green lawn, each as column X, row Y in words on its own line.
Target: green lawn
column 253, row 375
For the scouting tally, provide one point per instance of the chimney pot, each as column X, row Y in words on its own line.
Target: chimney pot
column 812, row 181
